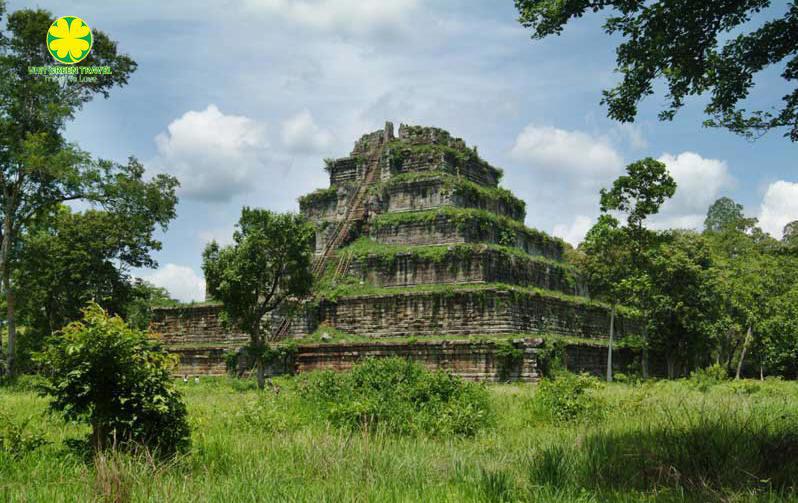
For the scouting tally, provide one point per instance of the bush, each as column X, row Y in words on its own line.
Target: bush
column 16, row 440
column 399, row 396
column 703, row 379
column 569, row 397
column 118, row 380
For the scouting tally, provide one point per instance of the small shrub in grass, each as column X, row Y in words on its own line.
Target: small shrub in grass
column 16, row 438
column 569, row 397
column 399, row 396
column 118, row 380
column 703, row 379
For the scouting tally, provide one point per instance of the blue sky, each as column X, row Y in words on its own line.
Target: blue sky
column 243, row 100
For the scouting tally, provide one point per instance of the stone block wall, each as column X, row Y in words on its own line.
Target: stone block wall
column 469, row 312
column 194, row 325
column 475, row 361
column 483, row 266
column 432, row 193
column 444, row 231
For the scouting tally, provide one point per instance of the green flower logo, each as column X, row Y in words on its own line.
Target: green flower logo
column 69, row 40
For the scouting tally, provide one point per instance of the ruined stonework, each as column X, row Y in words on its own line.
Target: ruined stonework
column 416, row 239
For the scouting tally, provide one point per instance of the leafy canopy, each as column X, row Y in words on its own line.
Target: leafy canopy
column 698, row 47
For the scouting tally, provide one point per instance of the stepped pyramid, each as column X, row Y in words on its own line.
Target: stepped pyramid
column 418, row 245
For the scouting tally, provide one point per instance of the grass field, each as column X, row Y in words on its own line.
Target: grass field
column 656, row 441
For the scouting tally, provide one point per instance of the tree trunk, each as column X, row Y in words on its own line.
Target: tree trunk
column 644, row 363
column 746, row 342
column 257, row 344
column 5, row 272
column 609, row 347
column 671, row 366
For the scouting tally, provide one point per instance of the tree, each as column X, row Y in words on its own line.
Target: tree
column 39, row 169
column 604, row 265
column 118, row 380
column 268, row 262
column 790, row 234
column 680, row 41
column 725, row 214
column 780, row 335
column 639, row 194
column 683, row 303
column 68, row 259
column 747, row 277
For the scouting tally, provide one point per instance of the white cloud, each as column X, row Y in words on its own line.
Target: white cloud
column 345, row 17
column 574, row 232
column 182, row 282
column 301, row 134
column 566, row 153
column 699, row 182
column 779, row 207
column 213, row 155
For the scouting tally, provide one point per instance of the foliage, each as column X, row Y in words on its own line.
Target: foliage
column 683, row 304
column 780, row 335
column 509, row 358
column 551, row 357
column 570, row 397
column 659, row 441
column 717, row 52
column 118, row 380
column 724, row 215
column 268, row 262
column 40, row 169
column 319, row 196
column 707, row 377
column 16, row 439
column 399, row 396
column 68, row 259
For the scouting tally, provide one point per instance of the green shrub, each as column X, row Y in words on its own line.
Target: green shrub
column 15, row 438
column 118, row 380
column 703, row 379
column 399, row 396
column 569, row 397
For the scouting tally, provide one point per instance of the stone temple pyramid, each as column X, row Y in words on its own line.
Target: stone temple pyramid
column 419, row 253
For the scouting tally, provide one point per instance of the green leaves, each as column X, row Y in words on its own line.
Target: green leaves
column 688, row 44
column 116, row 379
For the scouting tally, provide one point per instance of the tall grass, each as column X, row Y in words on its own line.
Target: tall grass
column 662, row 441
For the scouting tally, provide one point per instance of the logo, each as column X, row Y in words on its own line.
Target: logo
column 69, row 40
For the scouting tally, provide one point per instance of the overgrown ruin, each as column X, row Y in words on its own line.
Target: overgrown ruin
column 419, row 253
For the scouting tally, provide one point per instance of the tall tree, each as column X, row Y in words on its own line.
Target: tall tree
column 725, row 214
column 638, row 194
column 683, row 307
column 790, row 234
column 696, row 47
column 604, row 264
column 67, row 259
column 39, row 169
column 268, row 262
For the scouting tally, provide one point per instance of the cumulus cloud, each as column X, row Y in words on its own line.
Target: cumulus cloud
column 560, row 174
column 779, row 207
column 566, row 153
column 345, row 17
column 699, row 182
column 301, row 134
column 181, row 282
column 215, row 156
column 574, row 232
